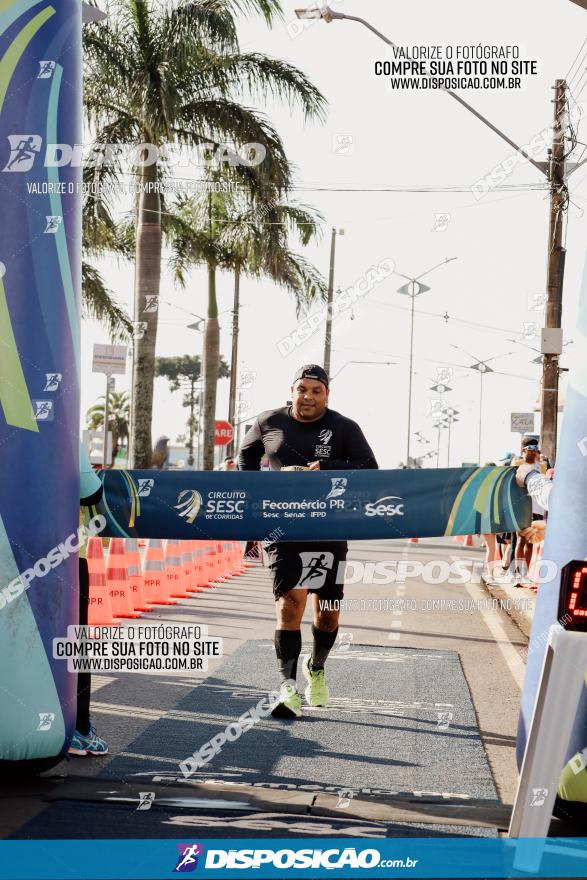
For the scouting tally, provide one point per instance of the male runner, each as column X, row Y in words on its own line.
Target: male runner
column 310, row 435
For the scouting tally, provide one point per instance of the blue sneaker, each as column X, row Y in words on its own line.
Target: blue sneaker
column 91, row 744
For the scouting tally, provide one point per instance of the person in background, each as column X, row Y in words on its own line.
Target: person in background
column 539, row 487
column 492, row 566
column 85, row 740
column 229, row 464
column 523, row 551
column 160, row 457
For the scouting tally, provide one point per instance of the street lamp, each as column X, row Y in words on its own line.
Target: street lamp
column 482, row 369
column 440, row 388
column 556, row 173
column 319, row 11
column 449, row 419
column 328, row 336
column 413, row 289
column 324, row 12
column 197, row 326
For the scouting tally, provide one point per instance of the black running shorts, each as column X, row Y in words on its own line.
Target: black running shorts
column 314, row 566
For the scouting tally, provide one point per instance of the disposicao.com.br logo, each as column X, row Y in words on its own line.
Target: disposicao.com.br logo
column 287, row 859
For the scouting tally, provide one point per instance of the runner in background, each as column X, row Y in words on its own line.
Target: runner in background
column 305, row 436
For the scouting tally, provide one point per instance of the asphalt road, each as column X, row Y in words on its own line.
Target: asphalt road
column 419, row 738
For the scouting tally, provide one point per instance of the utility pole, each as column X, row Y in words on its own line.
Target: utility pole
column 234, row 358
column 192, row 420
column 556, row 269
column 328, row 337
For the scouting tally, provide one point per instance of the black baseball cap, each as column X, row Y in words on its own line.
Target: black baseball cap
column 312, row 371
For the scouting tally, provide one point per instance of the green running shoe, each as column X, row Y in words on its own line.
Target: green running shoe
column 289, row 703
column 316, row 693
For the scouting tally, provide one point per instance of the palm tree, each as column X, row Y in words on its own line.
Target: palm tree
column 168, row 73
column 101, row 236
column 118, row 417
column 251, row 238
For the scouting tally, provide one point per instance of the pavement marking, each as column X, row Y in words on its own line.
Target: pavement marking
column 492, row 620
column 173, row 761
column 400, row 591
column 100, row 681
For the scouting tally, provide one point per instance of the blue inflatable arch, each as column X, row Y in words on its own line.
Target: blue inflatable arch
column 40, row 281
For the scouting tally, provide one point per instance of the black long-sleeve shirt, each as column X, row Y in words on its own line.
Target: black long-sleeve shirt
column 335, row 441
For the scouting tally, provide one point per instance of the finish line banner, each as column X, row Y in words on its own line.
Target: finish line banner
column 312, row 506
column 301, row 857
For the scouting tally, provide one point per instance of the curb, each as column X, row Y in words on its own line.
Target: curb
column 516, row 596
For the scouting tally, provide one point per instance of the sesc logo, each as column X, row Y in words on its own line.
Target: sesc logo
column 189, row 503
column 225, row 505
column 387, row 506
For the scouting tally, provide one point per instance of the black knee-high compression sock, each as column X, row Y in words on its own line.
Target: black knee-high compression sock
column 323, row 642
column 288, row 646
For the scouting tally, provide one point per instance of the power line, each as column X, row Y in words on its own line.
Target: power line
column 405, row 357
column 575, row 59
column 377, row 188
column 438, row 316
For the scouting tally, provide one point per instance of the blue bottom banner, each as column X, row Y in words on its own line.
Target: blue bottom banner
column 304, row 858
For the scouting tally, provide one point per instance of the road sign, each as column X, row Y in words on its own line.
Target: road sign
column 223, row 433
column 522, row 423
column 109, row 359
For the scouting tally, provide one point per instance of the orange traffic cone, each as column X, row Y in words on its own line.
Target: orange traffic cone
column 135, row 575
column 210, row 563
column 188, row 559
column 100, row 606
column 117, row 580
column 237, row 559
column 222, row 566
column 174, row 566
column 155, row 579
column 202, row 579
column 413, row 541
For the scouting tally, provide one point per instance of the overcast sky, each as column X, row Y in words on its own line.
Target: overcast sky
column 377, row 139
